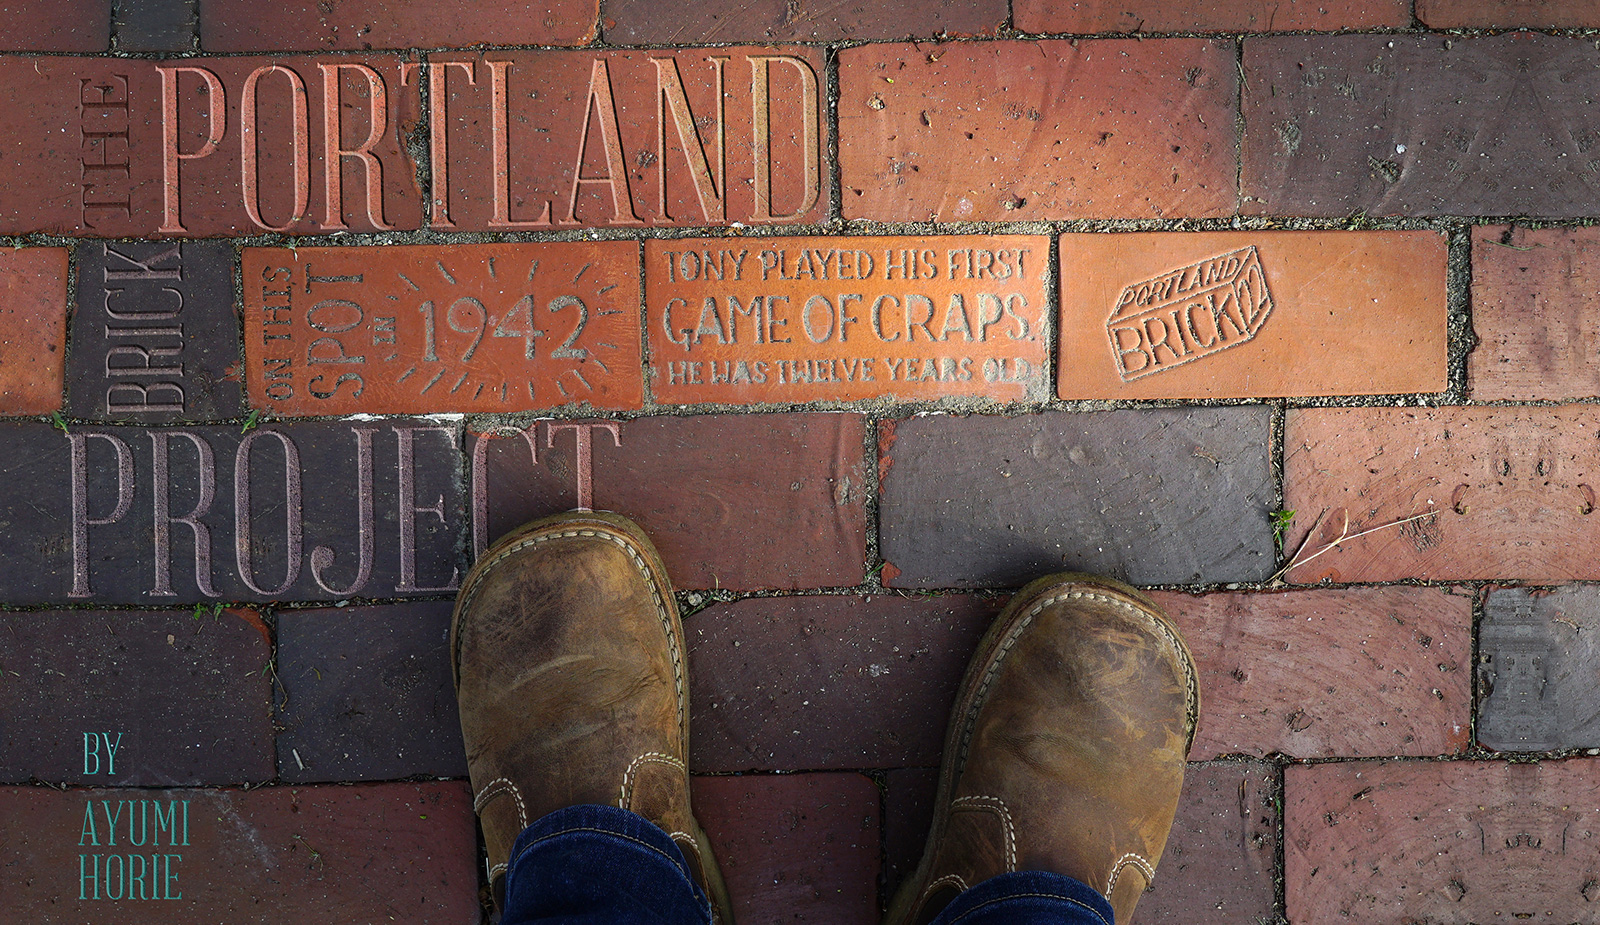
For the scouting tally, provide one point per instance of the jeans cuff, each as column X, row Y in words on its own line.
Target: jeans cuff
column 1027, row 896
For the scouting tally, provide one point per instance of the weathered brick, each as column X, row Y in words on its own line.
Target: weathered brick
column 273, row 854
column 71, row 26
column 642, row 22
column 1209, row 15
column 156, row 25
column 152, row 516
column 1532, row 313
column 1503, row 492
column 1421, row 841
column 356, row 25
column 734, row 501
column 545, row 140
column 828, row 682
column 1150, row 496
column 33, row 318
column 1507, row 14
column 1278, row 671
column 1242, row 314
column 129, row 699
column 95, row 149
column 1419, row 125
column 796, row 847
column 1021, row 131
column 489, row 328
column 155, row 337
column 1536, row 669
column 366, row 694
column 775, row 323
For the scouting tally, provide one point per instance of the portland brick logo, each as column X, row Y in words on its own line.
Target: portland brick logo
column 1189, row 313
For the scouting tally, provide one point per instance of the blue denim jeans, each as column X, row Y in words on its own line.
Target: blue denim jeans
column 600, row 865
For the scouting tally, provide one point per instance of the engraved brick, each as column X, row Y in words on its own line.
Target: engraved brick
column 842, row 319
column 155, row 337
column 1241, row 314
column 71, row 26
column 335, row 510
column 1278, row 671
column 1020, row 131
column 796, row 847
column 156, row 25
column 366, row 694
column 1507, row 14
column 1536, row 668
column 356, row 25
column 1151, row 496
column 638, row 22
column 828, row 682
column 124, row 147
column 1449, row 125
column 1418, row 841
column 545, row 140
column 488, row 328
column 1148, row 16
column 273, row 854
column 118, row 698
column 33, row 316
column 742, row 502
column 1532, row 313
column 1503, row 493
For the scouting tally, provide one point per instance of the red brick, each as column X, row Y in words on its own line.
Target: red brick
column 357, row 25
column 413, row 330
column 275, row 854
column 643, row 22
column 1425, row 841
column 1419, row 125
column 1312, row 313
column 1209, row 15
column 1278, row 671
column 1509, row 490
column 1533, row 314
column 742, row 502
column 72, row 26
column 183, row 698
column 33, row 321
column 89, row 154
column 509, row 158
column 1507, row 14
column 808, row 319
column 828, row 682
column 796, row 847
column 1023, row 131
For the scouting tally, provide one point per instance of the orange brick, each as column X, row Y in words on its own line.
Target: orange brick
column 1432, row 841
column 1209, row 15
column 467, row 327
column 1249, row 313
column 842, row 319
column 1278, row 671
column 1019, row 131
column 33, row 317
column 1508, row 14
column 1534, row 313
column 1506, row 492
column 356, row 25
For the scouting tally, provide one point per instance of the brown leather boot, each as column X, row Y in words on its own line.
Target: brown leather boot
column 1066, row 748
column 570, row 676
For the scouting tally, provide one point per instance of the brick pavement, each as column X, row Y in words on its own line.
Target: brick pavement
column 868, row 314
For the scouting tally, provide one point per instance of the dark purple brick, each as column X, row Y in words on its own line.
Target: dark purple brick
column 1220, row 863
column 1151, row 496
column 131, row 699
column 1537, row 661
column 736, row 501
column 156, row 25
column 155, row 338
column 1421, row 125
column 907, row 816
column 828, row 682
column 795, row 847
column 367, row 694
column 391, row 532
